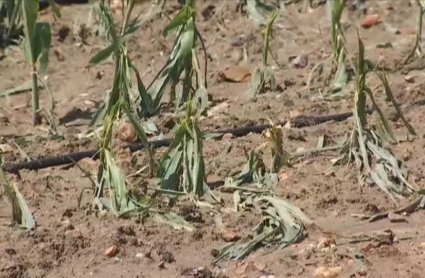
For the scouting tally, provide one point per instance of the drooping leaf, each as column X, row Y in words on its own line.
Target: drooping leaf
column 21, row 214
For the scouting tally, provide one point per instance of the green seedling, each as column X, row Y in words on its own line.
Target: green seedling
column 417, row 49
column 21, row 214
column 264, row 75
column 183, row 64
column 376, row 164
column 36, row 46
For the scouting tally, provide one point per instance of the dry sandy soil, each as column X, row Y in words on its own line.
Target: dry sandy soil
column 71, row 241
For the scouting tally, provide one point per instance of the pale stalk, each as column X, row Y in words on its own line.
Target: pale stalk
column 35, row 97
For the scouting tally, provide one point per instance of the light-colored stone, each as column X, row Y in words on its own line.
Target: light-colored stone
column 328, row 272
column 5, row 148
column 396, row 218
column 112, row 251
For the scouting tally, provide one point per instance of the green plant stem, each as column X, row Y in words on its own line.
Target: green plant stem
column 127, row 16
column 265, row 50
column 35, row 98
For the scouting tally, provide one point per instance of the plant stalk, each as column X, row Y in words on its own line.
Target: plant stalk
column 36, row 119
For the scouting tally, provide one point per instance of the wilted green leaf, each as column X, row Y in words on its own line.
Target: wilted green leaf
column 21, row 214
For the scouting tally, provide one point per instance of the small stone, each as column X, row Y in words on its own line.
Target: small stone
column 66, row 223
column 4, row 119
column 75, row 233
column 351, row 262
column 236, row 74
column 90, row 103
column 241, row 268
column 301, row 61
column 59, row 55
column 409, row 78
column 127, row 133
column 396, row 218
column 369, row 21
column 236, row 56
column 366, row 247
column 237, row 41
column 140, row 255
column 328, row 272
column 227, row 235
column 161, row 264
column 333, row 272
column 324, row 242
column 227, row 136
column 5, row 148
column 88, row 164
column 219, row 108
column 112, row 251
column 294, row 113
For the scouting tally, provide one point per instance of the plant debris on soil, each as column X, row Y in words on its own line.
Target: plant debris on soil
column 261, row 205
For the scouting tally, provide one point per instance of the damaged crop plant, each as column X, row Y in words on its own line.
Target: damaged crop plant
column 180, row 171
column 332, row 71
column 365, row 145
column 187, row 166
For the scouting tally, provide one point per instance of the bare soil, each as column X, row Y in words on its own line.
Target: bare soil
column 71, row 241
